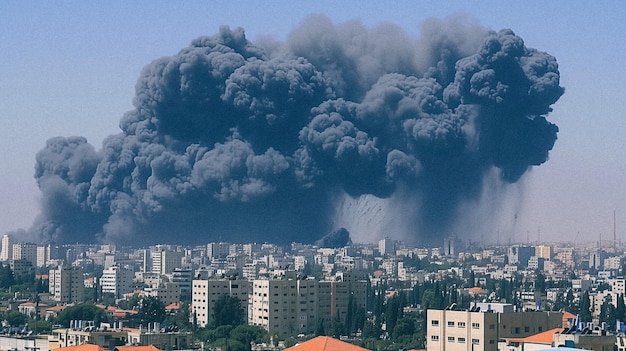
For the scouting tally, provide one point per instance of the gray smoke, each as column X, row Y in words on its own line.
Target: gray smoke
column 234, row 141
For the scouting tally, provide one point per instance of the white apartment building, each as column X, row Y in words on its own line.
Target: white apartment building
column 164, row 261
column 66, row 284
column 43, row 255
column 612, row 263
column 6, row 254
column 205, row 293
column 117, row 280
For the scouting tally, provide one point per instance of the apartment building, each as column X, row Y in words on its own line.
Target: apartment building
column 6, row 253
column 117, row 280
column 66, row 284
column 206, row 292
column 284, row 307
column 26, row 252
column 164, row 260
column 450, row 330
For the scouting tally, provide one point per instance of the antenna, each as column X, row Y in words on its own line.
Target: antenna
column 614, row 233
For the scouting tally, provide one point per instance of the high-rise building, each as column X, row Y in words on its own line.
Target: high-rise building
column 43, row 255
column 205, row 294
column 66, row 284
column 117, row 280
column 6, row 253
column 165, row 260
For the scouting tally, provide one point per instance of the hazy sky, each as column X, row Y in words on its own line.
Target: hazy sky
column 69, row 68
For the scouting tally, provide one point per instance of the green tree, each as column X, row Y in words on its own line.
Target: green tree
column 15, row 318
column 584, row 308
column 246, row 334
column 228, row 311
column 7, row 279
column 151, row 310
column 85, row 312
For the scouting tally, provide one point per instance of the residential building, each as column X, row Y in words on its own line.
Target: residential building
column 25, row 251
column 448, row 330
column 7, row 248
column 284, row 307
column 66, row 284
column 206, row 292
column 117, row 280
column 451, row 330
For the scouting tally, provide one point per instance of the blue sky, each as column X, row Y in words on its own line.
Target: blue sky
column 69, row 68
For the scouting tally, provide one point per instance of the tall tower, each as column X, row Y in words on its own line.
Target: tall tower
column 7, row 248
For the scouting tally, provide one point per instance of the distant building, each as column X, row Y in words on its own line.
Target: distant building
column 519, row 255
column 6, row 253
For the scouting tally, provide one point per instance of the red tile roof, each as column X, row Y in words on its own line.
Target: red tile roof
column 325, row 343
column 545, row 337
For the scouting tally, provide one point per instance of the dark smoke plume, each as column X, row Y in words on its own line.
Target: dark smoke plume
column 231, row 140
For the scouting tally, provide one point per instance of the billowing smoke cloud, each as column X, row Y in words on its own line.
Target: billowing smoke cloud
column 288, row 141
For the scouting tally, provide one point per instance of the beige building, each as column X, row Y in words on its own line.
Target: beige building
column 450, row 330
column 167, row 292
column 291, row 306
column 461, row 331
column 67, row 284
column 284, row 307
column 204, row 294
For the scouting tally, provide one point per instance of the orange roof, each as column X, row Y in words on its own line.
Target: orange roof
column 475, row 290
column 137, row 348
column 545, row 337
column 325, row 343
column 83, row 347
column 58, row 308
column 172, row 306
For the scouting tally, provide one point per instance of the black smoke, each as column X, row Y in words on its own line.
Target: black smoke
column 236, row 141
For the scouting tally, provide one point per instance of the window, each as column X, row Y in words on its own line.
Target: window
column 461, row 340
column 492, row 326
column 526, row 329
column 450, row 324
column 450, row 338
column 475, row 325
column 475, row 341
column 434, row 323
column 516, row 330
column 434, row 337
column 461, row 325
column 491, row 342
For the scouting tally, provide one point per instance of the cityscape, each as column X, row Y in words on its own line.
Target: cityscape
column 322, row 176
column 386, row 295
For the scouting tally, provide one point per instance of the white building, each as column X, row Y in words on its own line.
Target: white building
column 7, row 248
column 117, row 280
column 205, row 293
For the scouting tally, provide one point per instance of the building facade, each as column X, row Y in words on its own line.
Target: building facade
column 205, row 293
column 66, row 284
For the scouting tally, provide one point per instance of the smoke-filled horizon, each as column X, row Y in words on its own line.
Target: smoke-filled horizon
column 338, row 126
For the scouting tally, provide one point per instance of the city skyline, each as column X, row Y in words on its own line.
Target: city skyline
column 567, row 198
